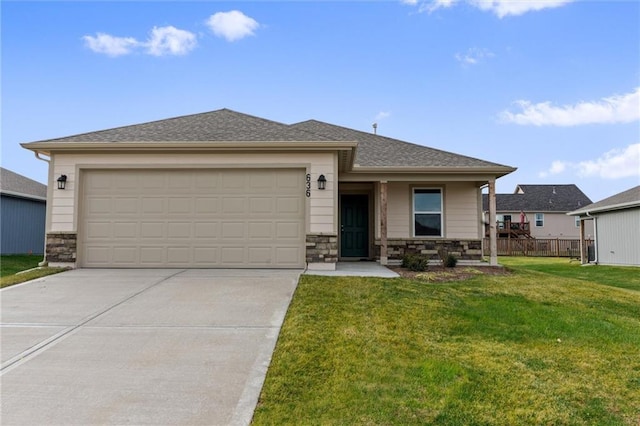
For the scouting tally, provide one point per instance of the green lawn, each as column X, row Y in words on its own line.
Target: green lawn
column 10, row 265
column 540, row 346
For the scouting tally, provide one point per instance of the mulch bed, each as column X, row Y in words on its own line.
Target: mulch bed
column 439, row 274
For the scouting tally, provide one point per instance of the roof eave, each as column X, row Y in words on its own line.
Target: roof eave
column 49, row 147
column 497, row 171
column 587, row 211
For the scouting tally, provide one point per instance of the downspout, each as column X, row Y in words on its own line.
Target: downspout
column 48, row 161
column 595, row 237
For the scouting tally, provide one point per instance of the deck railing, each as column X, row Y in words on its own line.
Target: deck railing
column 538, row 247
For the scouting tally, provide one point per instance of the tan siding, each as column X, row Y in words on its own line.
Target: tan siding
column 462, row 214
column 321, row 217
column 398, row 210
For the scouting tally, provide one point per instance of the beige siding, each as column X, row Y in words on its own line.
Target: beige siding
column 461, row 209
column 462, row 212
column 556, row 225
column 321, row 217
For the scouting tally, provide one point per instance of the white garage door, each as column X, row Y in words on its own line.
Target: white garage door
column 224, row 218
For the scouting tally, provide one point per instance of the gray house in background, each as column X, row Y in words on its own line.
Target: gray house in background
column 546, row 207
column 23, row 211
column 617, row 228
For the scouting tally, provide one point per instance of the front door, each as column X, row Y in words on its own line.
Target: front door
column 354, row 219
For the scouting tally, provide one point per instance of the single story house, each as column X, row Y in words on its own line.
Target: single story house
column 23, row 207
column 224, row 189
column 616, row 221
column 545, row 208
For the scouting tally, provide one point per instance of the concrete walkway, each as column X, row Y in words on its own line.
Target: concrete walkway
column 144, row 347
column 357, row 269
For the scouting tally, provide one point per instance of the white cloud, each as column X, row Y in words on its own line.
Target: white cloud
column 557, row 167
column 433, row 5
column 614, row 109
column 232, row 25
column 162, row 41
column 382, row 115
column 500, row 8
column 110, row 45
column 170, row 41
column 473, row 56
column 614, row 164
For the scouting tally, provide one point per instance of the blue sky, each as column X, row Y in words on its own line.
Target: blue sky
column 550, row 87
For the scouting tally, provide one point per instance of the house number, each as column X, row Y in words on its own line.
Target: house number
column 308, row 185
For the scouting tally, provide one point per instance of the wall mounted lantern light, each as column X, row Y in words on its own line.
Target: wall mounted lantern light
column 322, row 182
column 62, row 182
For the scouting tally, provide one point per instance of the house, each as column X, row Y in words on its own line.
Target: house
column 616, row 221
column 22, row 214
column 545, row 208
column 229, row 190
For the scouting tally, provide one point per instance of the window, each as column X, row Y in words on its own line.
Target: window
column 577, row 221
column 539, row 219
column 427, row 212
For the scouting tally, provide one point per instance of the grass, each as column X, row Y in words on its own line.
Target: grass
column 12, row 265
column 616, row 276
column 530, row 348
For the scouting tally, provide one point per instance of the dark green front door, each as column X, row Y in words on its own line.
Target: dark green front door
column 354, row 221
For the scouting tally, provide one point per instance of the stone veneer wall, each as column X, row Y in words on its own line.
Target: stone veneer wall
column 322, row 248
column 461, row 249
column 61, row 247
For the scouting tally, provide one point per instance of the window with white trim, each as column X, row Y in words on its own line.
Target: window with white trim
column 577, row 221
column 427, row 212
column 539, row 220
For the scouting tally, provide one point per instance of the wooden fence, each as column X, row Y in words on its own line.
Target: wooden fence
column 537, row 247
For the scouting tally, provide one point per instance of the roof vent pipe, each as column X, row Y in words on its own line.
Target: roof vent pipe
column 375, row 128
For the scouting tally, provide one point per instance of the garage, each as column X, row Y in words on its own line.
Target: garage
column 196, row 218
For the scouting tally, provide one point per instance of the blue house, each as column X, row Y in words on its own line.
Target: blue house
column 23, row 211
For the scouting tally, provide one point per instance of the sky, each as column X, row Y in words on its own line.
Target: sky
column 551, row 87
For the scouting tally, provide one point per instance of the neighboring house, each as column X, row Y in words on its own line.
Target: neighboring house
column 229, row 190
column 23, row 207
column 545, row 208
column 617, row 228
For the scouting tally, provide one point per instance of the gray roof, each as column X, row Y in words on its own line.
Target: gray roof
column 15, row 184
column 625, row 199
column 222, row 125
column 380, row 151
column 539, row 198
column 225, row 125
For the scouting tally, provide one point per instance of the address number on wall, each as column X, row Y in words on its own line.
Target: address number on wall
column 308, row 185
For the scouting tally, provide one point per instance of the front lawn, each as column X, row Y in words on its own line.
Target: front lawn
column 12, row 265
column 528, row 348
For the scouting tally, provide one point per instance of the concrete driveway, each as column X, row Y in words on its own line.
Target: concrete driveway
column 144, row 347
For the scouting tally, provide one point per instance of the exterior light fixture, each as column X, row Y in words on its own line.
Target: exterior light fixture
column 62, row 181
column 322, row 182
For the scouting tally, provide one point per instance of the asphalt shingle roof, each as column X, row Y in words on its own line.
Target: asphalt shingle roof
column 17, row 184
column 630, row 196
column 222, row 125
column 540, row 198
column 225, row 125
column 381, row 151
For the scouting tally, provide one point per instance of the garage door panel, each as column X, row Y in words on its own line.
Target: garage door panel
column 152, row 230
column 125, row 230
column 192, row 218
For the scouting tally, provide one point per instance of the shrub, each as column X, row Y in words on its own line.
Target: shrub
column 450, row 261
column 415, row 262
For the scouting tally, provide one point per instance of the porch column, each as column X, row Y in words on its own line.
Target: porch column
column 493, row 242
column 383, row 223
column 583, row 258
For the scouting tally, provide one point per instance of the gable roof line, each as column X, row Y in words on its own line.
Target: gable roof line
column 17, row 185
column 622, row 200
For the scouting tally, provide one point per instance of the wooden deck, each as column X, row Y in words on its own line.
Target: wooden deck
column 508, row 229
